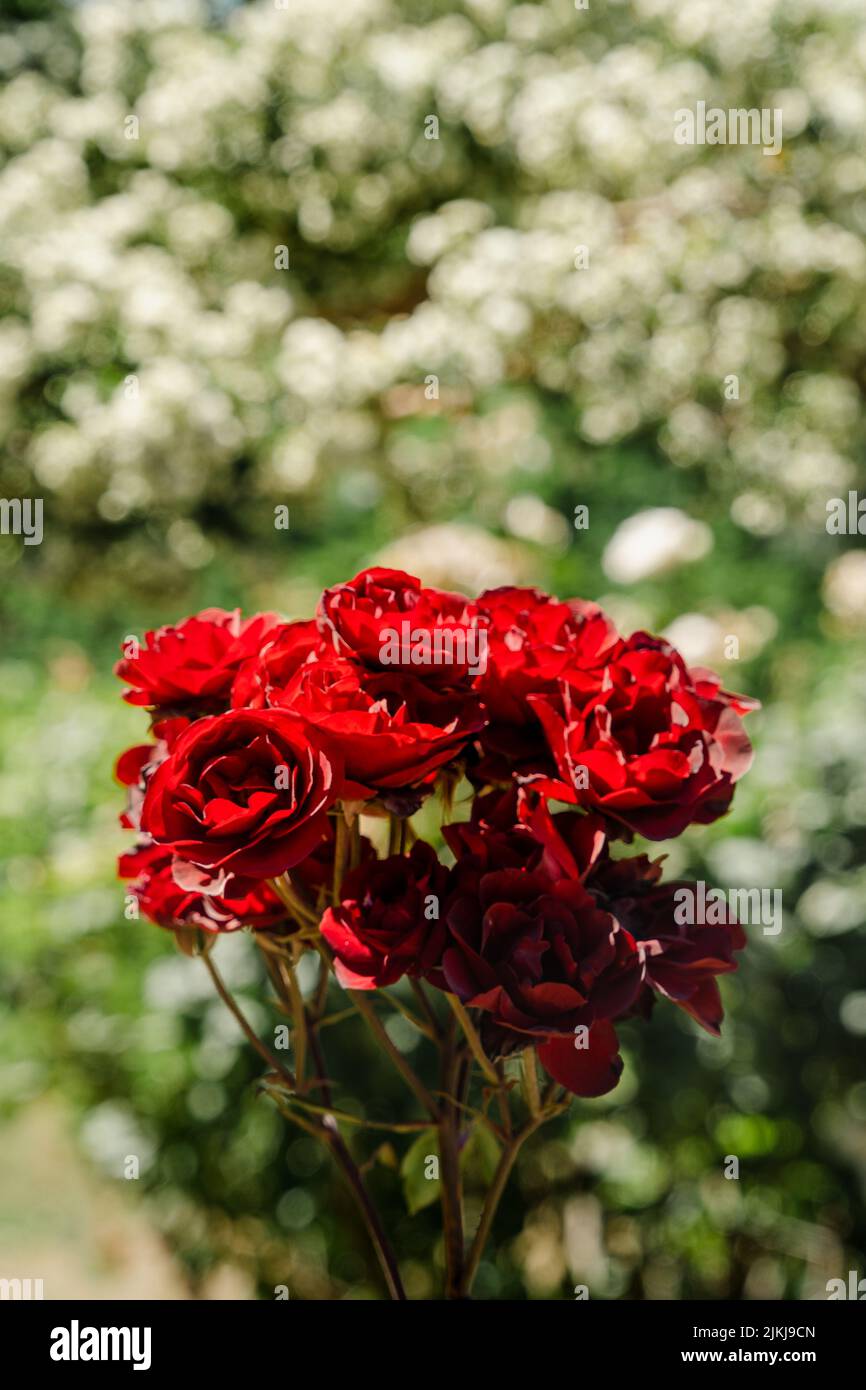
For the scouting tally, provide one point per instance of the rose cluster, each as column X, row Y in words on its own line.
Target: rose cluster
column 271, row 739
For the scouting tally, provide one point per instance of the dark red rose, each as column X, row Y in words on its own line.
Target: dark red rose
column 682, row 958
column 539, row 958
column 164, row 902
column 546, row 966
column 494, row 837
column 514, row 829
column 285, row 649
column 388, row 621
column 190, row 667
column 660, row 747
column 391, row 731
column 532, row 639
column 246, row 793
column 387, row 924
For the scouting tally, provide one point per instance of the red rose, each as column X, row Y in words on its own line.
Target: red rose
column 246, row 793
column 532, row 639
column 513, row 829
column 539, row 958
column 658, row 748
column 134, row 767
column 386, row 925
column 386, row 620
column 681, row 959
column 168, row 905
column 285, row 649
column 391, row 731
column 191, row 666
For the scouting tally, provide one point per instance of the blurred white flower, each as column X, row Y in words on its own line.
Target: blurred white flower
column 652, row 542
column 458, row 557
column 845, row 587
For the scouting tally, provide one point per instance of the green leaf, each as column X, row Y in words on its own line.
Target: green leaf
column 479, row 1158
column 420, row 1172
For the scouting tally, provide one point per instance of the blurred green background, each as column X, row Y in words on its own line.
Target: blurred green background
column 436, row 380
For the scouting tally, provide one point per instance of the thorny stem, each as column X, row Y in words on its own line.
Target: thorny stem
column 387, row 1258
column 530, row 1082
column 299, row 1015
column 374, row 1023
column 355, row 842
column 341, row 855
column 476, row 1114
column 321, row 1120
column 490, row 1072
column 450, row 1186
column 325, row 1129
column 426, row 1007
column 407, row 1013
column 360, row 1121
column 292, row 900
column 232, row 1005
column 497, row 1187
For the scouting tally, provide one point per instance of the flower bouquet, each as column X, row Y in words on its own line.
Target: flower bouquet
column 281, row 791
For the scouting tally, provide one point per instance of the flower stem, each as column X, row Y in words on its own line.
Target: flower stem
column 491, row 1204
column 530, row 1082
column 450, row 1186
column 374, row 1023
column 426, row 1007
column 490, row 1072
column 285, row 891
column 325, row 1129
column 341, row 855
column 232, row 1005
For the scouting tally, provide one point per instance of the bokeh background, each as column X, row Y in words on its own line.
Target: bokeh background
column 436, row 380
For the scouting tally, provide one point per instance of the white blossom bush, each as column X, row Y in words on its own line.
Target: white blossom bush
column 161, row 159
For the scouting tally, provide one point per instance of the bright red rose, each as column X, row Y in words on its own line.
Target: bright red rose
column 388, row 621
column 386, row 925
column 190, row 667
column 285, row 649
column 660, row 747
column 164, row 902
column 246, row 793
column 532, row 639
column 392, row 732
